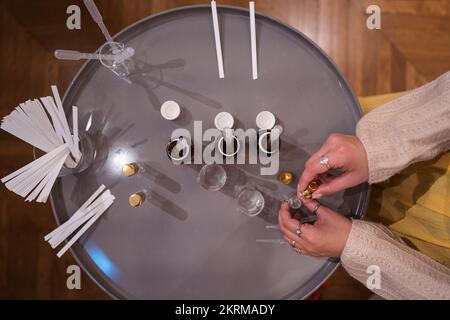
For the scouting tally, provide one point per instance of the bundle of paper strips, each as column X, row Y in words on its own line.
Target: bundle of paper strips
column 88, row 213
column 49, row 132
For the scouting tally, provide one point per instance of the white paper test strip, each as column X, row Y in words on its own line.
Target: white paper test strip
column 253, row 40
column 215, row 19
column 37, row 175
column 72, row 224
column 79, row 213
column 45, row 127
column 83, row 229
column 82, row 219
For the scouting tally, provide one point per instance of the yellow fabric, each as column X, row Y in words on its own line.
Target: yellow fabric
column 415, row 203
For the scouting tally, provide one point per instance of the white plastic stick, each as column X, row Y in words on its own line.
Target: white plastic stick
column 62, row 115
column 76, row 138
column 272, row 241
column 63, row 231
column 45, row 158
column 79, row 212
column 31, row 178
column 253, row 40
column 217, row 39
column 83, row 229
column 72, row 224
column 43, row 196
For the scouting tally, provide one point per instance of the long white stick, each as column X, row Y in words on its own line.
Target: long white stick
column 80, row 212
column 83, row 230
column 217, row 39
column 43, row 196
column 37, row 162
column 72, row 224
column 253, row 40
column 76, row 138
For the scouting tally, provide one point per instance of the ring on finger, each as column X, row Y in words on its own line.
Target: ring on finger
column 318, row 205
column 298, row 231
column 293, row 243
column 299, row 251
column 325, row 161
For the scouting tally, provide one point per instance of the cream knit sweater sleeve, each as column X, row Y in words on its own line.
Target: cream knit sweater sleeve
column 413, row 128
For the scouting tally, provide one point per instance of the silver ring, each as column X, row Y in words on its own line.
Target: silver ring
column 318, row 205
column 298, row 231
column 325, row 161
column 293, row 243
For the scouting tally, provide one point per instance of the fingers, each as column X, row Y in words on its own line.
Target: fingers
column 309, row 173
column 311, row 205
column 312, row 170
column 333, row 185
column 288, row 227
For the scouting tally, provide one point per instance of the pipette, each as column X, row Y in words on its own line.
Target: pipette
column 76, row 55
column 97, row 17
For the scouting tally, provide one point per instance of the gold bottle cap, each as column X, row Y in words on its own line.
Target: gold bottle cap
column 129, row 169
column 286, row 177
column 136, row 199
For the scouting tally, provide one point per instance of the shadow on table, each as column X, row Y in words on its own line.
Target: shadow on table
column 157, row 176
column 150, row 77
column 167, row 206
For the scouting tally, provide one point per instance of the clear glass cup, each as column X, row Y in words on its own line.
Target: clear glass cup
column 88, row 151
column 116, row 57
column 250, row 202
column 294, row 202
column 212, row 177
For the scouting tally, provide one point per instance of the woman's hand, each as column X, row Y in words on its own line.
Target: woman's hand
column 346, row 153
column 326, row 238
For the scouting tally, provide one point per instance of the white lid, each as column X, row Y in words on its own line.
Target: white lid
column 265, row 120
column 170, row 110
column 224, row 120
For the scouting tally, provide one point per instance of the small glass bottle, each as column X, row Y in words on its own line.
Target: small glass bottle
column 132, row 169
column 311, row 188
column 294, row 203
column 228, row 145
column 269, row 141
column 136, row 199
column 179, row 149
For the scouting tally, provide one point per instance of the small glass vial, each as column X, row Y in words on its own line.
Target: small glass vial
column 179, row 149
column 137, row 199
column 269, row 141
column 311, row 188
column 117, row 58
column 228, row 144
column 131, row 169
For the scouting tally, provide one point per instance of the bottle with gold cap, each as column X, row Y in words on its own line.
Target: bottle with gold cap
column 286, row 177
column 311, row 188
column 131, row 169
column 138, row 198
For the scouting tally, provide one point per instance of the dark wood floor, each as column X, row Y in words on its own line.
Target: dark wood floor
column 412, row 48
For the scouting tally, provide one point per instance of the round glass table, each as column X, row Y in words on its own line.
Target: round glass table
column 185, row 242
